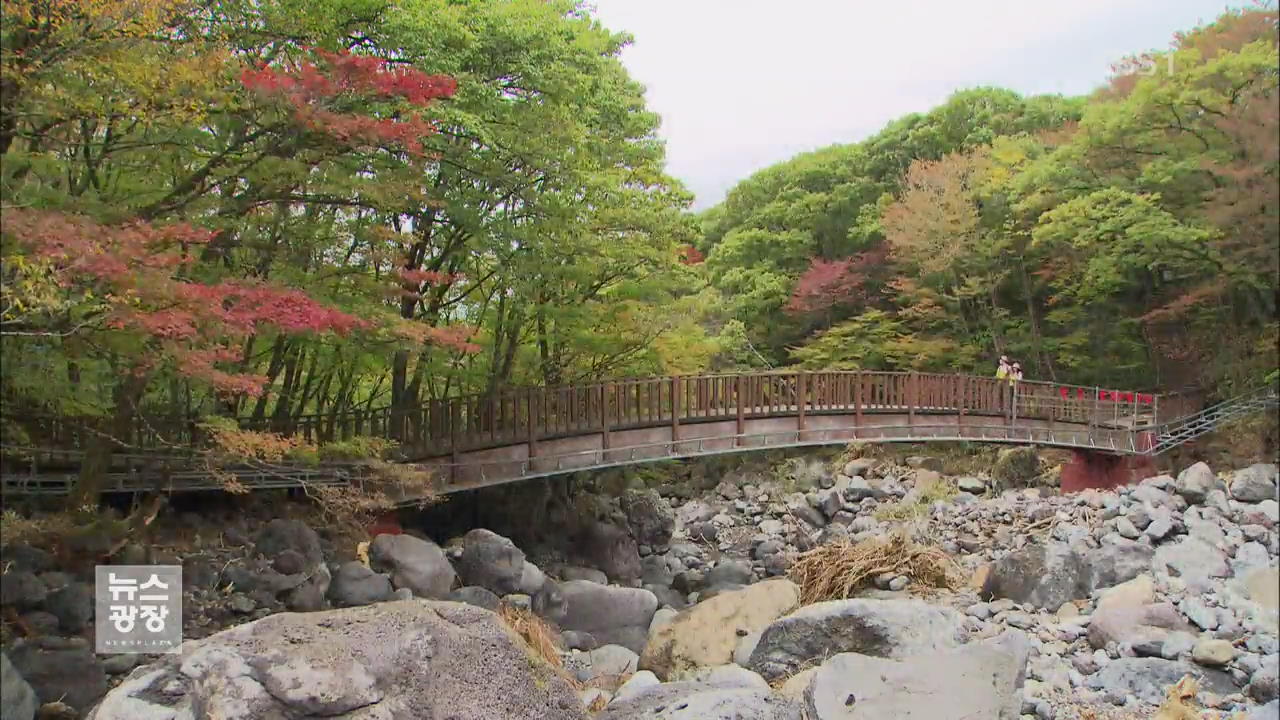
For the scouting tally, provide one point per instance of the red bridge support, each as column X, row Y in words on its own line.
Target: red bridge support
column 1093, row 469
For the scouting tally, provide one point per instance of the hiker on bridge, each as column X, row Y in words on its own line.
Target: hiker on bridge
column 1002, row 370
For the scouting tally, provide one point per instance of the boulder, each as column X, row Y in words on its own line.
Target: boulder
column 413, row 658
column 636, row 684
column 491, row 561
column 355, row 584
column 21, row 589
column 309, row 595
column 1015, row 467
column 477, row 596
column 1136, row 592
column 413, row 563
column 612, row 614
column 860, row 467
column 726, row 675
column 604, row 661
column 610, row 549
column 882, row 628
column 59, row 669
column 73, row 605
column 972, row 485
column 1195, row 483
column 532, row 579
column 708, row 633
column 1133, row 624
column 1048, row 575
column 573, row 572
column 701, row 701
column 1213, row 652
column 979, row 680
column 1193, row 559
column 17, row 699
column 1148, row 678
column 1254, row 483
column 649, row 517
column 280, row 535
column 728, row 572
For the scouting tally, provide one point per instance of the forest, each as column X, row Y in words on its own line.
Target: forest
column 264, row 210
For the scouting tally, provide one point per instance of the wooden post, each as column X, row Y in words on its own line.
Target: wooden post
column 1093, row 416
column 857, row 401
column 742, row 422
column 532, row 437
column 675, row 408
column 454, row 419
column 961, row 396
column 606, row 391
column 913, row 396
column 800, row 403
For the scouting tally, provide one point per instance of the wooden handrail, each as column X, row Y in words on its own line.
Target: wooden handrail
column 527, row 414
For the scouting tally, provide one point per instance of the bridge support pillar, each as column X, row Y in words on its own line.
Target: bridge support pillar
column 1089, row 469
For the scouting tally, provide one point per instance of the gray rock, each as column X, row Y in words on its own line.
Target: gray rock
column 477, row 596
column 280, row 535
column 17, row 699
column 970, row 484
column 607, row 611
column 1127, row 529
column 73, row 606
column 26, row 558
column 573, row 572
column 860, row 467
column 41, row 622
column 22, row 589
column 121, row 664
column 70, row 673
column 1195, row 483
column 612, row 550
column 728, row 572
column 532, row 579
column 1049, row 575
column 577, row 640
column 1148, row 678
column 491, row 561
column 883, row 628
column 1191, row 558
column 649, row 517
column 858, row 489
column 1254, row 483
column 606, row 660
column 1159, row 528
column 979, row 680
column 1270, row 711
column 635, row 685
column 701, row 701
column 413, row 563
column 355, row 584
column 391, row 660
column 309, row 595
column 1264, row 684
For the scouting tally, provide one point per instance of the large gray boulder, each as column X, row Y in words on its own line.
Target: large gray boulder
column 649, row 517
column 610, row 549
column 1149, row 678
column 282, row 535
column 412, row 658
column 1048, row 575
column 1193, row 559
column 413, row 563
column 1255, row 483
column 355, row 584
column 73, row 605
column 702, row 701
column 491, row 561
column 980, row 680
column 22, row 590
column 895, row 628
column 611, row 614
column 1196, row 482
column 61, row 669
column 17, row 699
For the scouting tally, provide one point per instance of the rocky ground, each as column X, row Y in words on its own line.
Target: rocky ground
column 678, row 605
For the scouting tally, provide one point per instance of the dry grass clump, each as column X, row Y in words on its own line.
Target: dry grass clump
column 543, row 642
column 838, row 570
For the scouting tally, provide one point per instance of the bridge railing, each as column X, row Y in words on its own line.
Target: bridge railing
column 451, row 425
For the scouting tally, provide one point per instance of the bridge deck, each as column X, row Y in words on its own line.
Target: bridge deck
column 485, row 440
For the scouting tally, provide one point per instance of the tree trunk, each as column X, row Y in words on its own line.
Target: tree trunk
column 100, row 446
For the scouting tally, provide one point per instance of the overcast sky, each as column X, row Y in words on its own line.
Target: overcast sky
column 742, row 84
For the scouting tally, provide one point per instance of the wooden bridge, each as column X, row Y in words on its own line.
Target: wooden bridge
column 480, row 440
